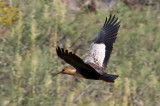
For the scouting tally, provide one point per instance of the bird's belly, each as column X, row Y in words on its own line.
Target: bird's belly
column 89, row 75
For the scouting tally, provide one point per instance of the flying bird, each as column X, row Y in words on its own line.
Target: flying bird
column 98, row 56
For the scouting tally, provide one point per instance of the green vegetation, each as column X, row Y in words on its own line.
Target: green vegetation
column 28, row 57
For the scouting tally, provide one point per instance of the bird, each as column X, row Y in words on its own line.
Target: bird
column 98, row 56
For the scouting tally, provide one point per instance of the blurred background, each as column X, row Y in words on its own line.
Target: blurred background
column 30, row 30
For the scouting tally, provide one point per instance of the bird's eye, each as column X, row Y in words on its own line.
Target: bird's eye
column 62, row 70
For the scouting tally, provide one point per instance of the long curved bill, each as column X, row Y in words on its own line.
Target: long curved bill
column 56, row 74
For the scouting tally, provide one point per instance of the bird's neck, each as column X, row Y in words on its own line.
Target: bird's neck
column 69, row 71
column 72, row 72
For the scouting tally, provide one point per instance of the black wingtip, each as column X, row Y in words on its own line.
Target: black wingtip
column 111, row 21
column 109, row 31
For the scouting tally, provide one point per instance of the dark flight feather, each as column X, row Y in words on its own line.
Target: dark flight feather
column 108, row 35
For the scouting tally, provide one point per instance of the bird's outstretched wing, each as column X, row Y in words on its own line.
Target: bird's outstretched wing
column 76, row 62
column 101, row 48
column 69, row 57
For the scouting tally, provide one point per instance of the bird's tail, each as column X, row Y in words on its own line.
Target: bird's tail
column 109, row 78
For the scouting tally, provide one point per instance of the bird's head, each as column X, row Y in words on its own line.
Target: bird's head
column 66, row 71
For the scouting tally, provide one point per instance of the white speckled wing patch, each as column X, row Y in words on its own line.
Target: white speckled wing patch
column 96, row 54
